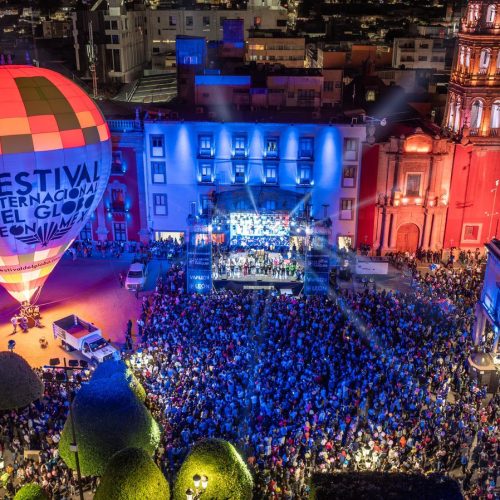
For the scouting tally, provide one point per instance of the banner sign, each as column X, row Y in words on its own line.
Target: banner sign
column 199, row 261
column 317, row 273
column 199, row 272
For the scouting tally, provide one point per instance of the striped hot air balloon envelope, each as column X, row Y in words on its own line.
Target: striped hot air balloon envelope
column 55, row 161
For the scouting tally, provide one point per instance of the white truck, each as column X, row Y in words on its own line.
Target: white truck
column 75, row 333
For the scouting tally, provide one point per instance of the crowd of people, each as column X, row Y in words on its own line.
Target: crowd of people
column 29, row 446
column 368, row 380
column 257, row 263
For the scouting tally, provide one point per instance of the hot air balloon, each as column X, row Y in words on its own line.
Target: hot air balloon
column 55, row 161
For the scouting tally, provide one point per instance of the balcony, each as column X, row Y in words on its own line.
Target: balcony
column 494, row 132
column 474, row 132
column 483, row 71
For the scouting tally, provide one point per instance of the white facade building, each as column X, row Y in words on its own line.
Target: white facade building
column 187, row 163
column 418, row 53
column 163, row 26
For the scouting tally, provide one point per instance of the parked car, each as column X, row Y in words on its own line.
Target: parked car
column 136, row 276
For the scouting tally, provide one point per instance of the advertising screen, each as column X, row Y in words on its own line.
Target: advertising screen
column 259, row 230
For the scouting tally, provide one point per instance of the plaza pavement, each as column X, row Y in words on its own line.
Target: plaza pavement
column 88, row 287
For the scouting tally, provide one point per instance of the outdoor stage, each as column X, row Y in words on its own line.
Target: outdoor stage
column 262, row 283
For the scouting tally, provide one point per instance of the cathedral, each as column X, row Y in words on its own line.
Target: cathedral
column 435, row 188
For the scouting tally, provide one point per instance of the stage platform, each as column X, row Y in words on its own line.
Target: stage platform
column 291, row 287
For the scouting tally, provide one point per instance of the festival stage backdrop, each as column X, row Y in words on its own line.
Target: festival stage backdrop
column 55, row 161
column 254, row 229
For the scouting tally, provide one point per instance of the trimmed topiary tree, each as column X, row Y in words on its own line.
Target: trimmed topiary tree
column 131, row 474
column 114, row 369
column 31, row 491
column 108, row 418
column 19, row 384
column 228, row 475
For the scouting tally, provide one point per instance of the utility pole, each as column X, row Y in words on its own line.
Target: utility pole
column 92, row 57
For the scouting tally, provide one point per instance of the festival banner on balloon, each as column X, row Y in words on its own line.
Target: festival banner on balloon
column 55, row 162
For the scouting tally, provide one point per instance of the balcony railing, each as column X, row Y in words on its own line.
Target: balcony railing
column 124, row 125
column 474, row 132
column 494, row 132
column 483, row 71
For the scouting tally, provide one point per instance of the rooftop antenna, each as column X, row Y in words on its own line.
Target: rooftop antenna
column 92, row 57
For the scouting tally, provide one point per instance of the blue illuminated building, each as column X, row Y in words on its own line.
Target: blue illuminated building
column 488, row 307
column 301, row 168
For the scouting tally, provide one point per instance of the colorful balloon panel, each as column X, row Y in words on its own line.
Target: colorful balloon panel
column 55, row 162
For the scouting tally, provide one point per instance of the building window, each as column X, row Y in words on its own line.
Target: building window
column 157, row 145
column 467, row 57
column 205, row 145
column 117, row 200
column 328, row 86
column 86, row 232
column 172, row 20
column 206, row 172
column 239, row 172
column 476, row 115
column 272, row 144
column 270, row 205
column 350, row 149
column 117, row 163
column 160, row 204
column 271, row 173
column 370, row 96
column 495, row 116
column 413, row 182
column 120, row 230
column 206, row 204
column 158, row 172
column 346, row 209
column 491, row 14
column 240, row 146
column 484, row 61
column 189, row 21
column 306, row 148
column 304, row 174
column 349, row 176
column 206, row 22
column 471, row 233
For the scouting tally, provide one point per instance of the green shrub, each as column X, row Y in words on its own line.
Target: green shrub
column 19, row 384
column 108, row 418
column 31, row 491
column 115, row 369
column 228, row 475
column 131, row 474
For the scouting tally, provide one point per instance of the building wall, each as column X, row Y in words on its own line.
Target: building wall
column 473, row 217
column 287, row 51
column 163, row 26
column 120, row 216
column 400, row 205
column 125, row 32
column 418, row 53
column 184, row 188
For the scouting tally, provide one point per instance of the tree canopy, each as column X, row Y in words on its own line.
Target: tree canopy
column 228, row 476
column 31, row 491
column 108, row 418
column 132, row 474
column 19, row 384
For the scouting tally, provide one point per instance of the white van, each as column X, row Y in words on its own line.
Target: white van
column 136, row 276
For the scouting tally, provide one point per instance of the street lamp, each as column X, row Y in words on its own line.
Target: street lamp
column 197, row 492
column 55, row 365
